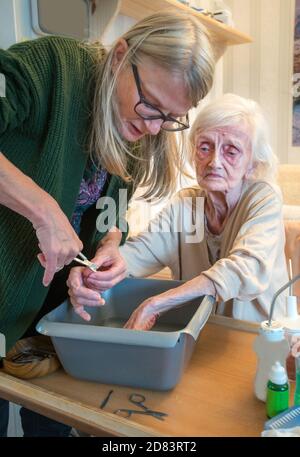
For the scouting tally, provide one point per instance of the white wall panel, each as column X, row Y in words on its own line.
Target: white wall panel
column 263, row 70
column 7, row 24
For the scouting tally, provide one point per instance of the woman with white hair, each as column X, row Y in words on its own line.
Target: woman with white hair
column 225, row 237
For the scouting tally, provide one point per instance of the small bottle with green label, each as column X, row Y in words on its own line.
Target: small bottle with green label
column 277, row 390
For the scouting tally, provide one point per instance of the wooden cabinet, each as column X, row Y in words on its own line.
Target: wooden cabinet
column 221, row 34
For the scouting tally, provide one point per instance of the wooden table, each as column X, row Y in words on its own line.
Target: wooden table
column 214, row 398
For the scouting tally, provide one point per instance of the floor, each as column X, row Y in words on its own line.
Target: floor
column 15, row 427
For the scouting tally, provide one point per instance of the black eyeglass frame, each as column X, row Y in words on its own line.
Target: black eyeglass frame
column 143, row 101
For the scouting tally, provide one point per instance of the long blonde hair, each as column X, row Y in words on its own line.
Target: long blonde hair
column 176, row 41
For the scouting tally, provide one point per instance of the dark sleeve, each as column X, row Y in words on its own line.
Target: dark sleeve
column 122, row 223
column 113, row 208
column 15, row 106
column 110, row 211
column 38, row 74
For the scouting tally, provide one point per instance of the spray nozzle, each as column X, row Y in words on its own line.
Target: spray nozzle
column 278, row 374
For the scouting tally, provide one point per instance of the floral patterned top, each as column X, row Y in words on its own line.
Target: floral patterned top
column 90, row 190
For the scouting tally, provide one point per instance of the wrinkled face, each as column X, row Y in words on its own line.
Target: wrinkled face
column 163, row 89
column 223, row 157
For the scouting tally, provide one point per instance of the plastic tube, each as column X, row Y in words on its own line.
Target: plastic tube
column 279, row 291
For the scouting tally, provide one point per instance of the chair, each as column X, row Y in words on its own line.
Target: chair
column 289, row 182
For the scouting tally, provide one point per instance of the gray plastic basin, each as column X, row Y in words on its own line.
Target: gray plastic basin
column 101, row 350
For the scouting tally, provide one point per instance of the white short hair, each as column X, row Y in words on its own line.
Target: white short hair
column 231, row 110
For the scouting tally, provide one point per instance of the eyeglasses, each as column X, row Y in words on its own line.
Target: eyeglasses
column 149, row 112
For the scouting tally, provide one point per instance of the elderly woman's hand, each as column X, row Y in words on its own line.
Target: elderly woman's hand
column 144, row 317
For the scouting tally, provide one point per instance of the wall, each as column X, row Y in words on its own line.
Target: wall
column 7, row 34
column 263, row 70
column 15, row 22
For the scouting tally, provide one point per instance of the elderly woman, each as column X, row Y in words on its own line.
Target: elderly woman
column 225, row 237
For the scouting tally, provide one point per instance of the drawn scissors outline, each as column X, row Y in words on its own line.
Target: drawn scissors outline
column 138, row 400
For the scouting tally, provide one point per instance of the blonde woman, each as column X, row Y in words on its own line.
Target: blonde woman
column 78, row 123
column 224, row 237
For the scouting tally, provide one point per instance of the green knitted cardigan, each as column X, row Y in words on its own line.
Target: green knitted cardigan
column 44, row 121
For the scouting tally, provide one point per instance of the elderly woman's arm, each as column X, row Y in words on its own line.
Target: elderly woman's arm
column 144, row 317
column 244, row 274
column 157, row 247
column 146, row 254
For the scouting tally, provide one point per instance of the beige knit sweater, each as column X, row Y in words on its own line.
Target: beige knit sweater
column 251, row 265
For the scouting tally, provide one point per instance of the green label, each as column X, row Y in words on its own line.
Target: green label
column 277, row 401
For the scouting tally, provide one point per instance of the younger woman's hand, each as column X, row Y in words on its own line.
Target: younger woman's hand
column 111, row 268
column 57, row 240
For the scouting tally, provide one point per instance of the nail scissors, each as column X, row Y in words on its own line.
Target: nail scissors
column 138, row 400
column 84, row 261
